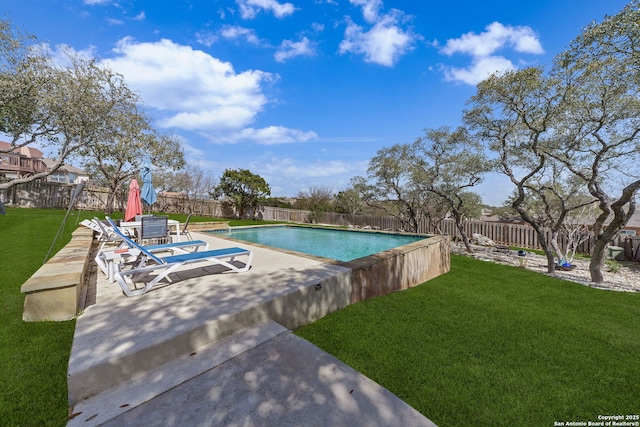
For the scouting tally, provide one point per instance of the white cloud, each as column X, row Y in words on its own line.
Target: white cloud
column 214, row 119
column 288, row 176
column 290, row 49
column 113, row 21
column 206, row 38
column 249, row 9
column 483, row 47
column 92, row 2
column 198, row 91
column 480, row 69
column 496, row 36
column 140, row 17
column 269, row 135
column 383, row 44
column 233, row 32
column 370, row 9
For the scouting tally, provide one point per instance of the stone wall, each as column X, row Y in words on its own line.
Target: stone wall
column 54, row 292
column 399, row 268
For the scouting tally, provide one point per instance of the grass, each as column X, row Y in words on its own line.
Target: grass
column 34, row 356
column 493, row 345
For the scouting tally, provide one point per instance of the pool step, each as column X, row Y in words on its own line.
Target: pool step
column 143, row 388
column 142, row 354
column 101, row 360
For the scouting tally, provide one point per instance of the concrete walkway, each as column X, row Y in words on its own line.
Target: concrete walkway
column 215, row 349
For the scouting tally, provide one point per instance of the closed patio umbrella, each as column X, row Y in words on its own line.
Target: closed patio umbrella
column 148, row 193
column 134, row 204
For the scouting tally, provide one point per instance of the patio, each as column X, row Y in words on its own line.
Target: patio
column 216, row 349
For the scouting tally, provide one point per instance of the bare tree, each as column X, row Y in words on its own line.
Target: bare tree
column 575, row 231
column 116, row 162
column 318, row 200
column 196, row 185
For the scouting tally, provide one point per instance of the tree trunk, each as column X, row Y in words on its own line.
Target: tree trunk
column 562, row 255
column 597, row 260
column 465, row 239
column 110, row 198
column 551, row 261
column 605, row 235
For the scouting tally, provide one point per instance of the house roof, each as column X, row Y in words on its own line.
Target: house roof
column 634, row 222
column 27, row 151
column 64, row 168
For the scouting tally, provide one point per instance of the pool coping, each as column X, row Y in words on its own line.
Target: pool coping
column 380, row 273
column 355, row 262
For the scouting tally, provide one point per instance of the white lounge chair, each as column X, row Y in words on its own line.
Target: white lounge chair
column 105, row 234
column 168, row 264
column 109, row 261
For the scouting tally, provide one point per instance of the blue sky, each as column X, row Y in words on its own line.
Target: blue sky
column 304, row 93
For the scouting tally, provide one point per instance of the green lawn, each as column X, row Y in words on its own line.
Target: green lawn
column 34, row 356
column 492, row 345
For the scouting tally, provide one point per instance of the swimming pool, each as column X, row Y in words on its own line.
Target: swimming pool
column 341, row 245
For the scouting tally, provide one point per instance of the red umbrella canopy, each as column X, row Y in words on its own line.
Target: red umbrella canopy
column 134, row 204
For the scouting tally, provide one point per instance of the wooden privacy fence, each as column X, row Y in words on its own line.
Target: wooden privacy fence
column 521, row 235
column 57, row 195
column 42, row 194
column 37, row 194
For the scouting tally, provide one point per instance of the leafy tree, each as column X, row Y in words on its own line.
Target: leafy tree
column 58, row 107
column 600, row 77
column 393, row 188
column 351, row 200
column 243, row 190
column 74, row 107
column 513, row 114
column 447, row 164
column 519, row 115
column 116, row 162
column 583, row 117
column 22, row 74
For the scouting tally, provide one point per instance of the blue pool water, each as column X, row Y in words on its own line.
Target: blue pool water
column 341, row 245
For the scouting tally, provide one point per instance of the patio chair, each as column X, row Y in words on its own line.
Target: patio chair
column 154, row 227
column 110, row 261
column 166, row 265
column 185, row 230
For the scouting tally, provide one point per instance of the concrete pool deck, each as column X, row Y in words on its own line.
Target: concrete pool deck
column 216, row 349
